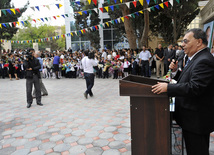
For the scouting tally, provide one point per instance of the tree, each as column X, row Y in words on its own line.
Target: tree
column 30, row 32
column 7, row 33
column 87, row 20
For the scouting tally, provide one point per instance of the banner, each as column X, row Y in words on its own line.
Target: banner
column 208, row 28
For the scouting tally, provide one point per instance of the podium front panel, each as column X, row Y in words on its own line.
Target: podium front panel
column 150, row 125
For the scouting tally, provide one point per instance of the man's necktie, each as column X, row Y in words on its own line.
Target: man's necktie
column 188, row 60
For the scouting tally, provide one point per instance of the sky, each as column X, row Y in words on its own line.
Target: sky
column 44, row 11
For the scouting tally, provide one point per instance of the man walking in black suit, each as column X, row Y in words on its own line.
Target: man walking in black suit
column 194, row 99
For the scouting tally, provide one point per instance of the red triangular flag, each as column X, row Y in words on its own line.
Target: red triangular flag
column 54, row 17
column 96, row 27
column 167, row 4
column 18, row 10
column 63, row 35
column 135, row 3
column 34, row 20
column 126, row 17
column 95, row 2
column 14, row 23
column 84, row 30
column 101, row 9
column 47, row 39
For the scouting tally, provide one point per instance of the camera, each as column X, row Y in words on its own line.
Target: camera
column 91, row 55
column 28, row 55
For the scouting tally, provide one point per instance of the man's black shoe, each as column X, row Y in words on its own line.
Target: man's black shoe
column 40, row 104
column 28, row 105
column 91, row 95
column 86, row 95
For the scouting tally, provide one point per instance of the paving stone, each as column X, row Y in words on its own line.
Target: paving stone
column 106, row 135
column 84, row 127
column 111, row 152
column 46, row 146
column 33, row 144
column 124, row 130
column 62, row 147
column 94, row 151
column 54, row 153
column 97, row 128
column 121, row 137
column 84, row 141
column 127, row 153
column 41, row 129
column 78, row 132
column 19, row 134
column 100, row 142
column 60, row 125
column 7, row 141
column 21, row 152
column 39, row 152
column 71, row 139
column 31, row 135
column 65, row 131
column 110, row 129
column 29, row 128
column 49, row 123
column 44, row 136
column 92, row 133
column 57, row 138
column 9, row 132
column 53, row 130
column 117, row 145
column 128, row 147
column 7, row 151
column 19, row 142
column 77, row 150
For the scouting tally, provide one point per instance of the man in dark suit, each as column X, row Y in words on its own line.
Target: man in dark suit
column 169, row 54
column 2, row 69
column 194, row 99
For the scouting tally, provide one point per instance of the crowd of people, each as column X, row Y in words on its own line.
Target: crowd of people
column 111, row 63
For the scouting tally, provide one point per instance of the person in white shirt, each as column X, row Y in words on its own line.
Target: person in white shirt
column 88, row 63
column 144, row 61
column 104, row 54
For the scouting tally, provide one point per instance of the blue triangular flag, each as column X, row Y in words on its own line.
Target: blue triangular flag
column 85, row 12
column 37, row 7
column 42, row 19
column 69, row 34
column 8, row 10
column 116, row 21
column 94, row 28
column 63, row 16
column 78, row 2
column 57, row 5
column 148, row 1
column 112, row 7
column 137, row 13
column 115, row 1
column 157, row 6
column 23, row 23
column 4, row 25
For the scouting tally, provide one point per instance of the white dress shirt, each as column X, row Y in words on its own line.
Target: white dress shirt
column 144, row 55
column 88, row 65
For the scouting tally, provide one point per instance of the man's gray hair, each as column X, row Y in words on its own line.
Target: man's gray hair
column 38, row 53
column 199, row 34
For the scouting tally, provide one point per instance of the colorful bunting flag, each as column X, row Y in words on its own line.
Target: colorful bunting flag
column 115, row 1
column 23, row 23
column 178, row 1
column 137, row 14
column 101, row 9
column 42, row 19
column 8, row 10
column 157, row 6
column 148, row 1
column 34, row 20
column 66, row 15
column 13, row 10
column 107, row 24
column 47, row 6
column 121, row 1
column 14, row 23
column 0, row 26
column 167, row 4
column 89, row 1
column 63, row 16
column 112, row 7
column 135, row 3
column 108, row 1
column 126, row 17
column 37, row 7
column 152, row 8
column 106, row 8
column 54, row 17
column 4, row 11
column 141, row 2
column 85, row 12
column 161, row 5
column 133, row 16
column 80, row 13
column 122, row 19
column 141, row 12
column 128, row 4
column 95, row 2
column 59, row 5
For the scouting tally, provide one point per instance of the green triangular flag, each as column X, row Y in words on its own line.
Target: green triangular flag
column 26, row 22
column 101, row 25
column 178, row 1
column 155, row 1
column 90, row 11
column 152, row 8
column 117, row 6
column 133, row 15
column 66, row 15
column 108, row 1
column 46, row 18
column 7, row 25
column 4, row 11
column 112, row 21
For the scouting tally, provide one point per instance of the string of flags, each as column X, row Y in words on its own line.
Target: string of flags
column 112, row 7
column 95, row 27
column 17, row 10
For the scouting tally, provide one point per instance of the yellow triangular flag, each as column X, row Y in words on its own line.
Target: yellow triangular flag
column 107, row 24
column 53, row 38
column 122, row 19
column 13, row 10
column 58, row 15
column 39, row 19
column 80, row 13
column 61, row 36
column 82, row 31
column 106, row 8
column 72, row 34
column 161, row 5
column 121, row 1
column 89, row 1
column 141, row 12
column 17, row 23
column 60, row 5
column 141, row 2
column 0, row 26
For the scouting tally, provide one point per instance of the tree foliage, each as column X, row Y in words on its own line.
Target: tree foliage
column 7, row 33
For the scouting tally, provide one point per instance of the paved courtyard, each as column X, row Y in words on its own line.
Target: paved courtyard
column 67, row 123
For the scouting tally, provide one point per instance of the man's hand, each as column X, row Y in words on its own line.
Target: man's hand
column 173, row 66
column 30, row 69
column 160, row 88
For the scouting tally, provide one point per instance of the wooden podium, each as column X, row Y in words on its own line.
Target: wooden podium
column 150, row 116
